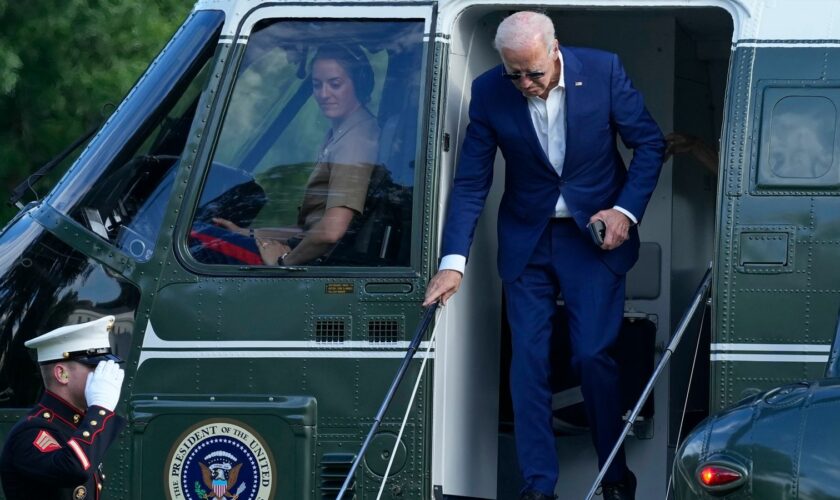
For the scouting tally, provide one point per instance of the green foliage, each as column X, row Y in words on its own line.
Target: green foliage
column 61, row 63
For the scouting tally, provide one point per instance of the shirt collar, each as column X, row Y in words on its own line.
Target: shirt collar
column 562, row 82
column 358, row 116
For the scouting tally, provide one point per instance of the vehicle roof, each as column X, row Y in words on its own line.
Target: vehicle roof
column 809, row 22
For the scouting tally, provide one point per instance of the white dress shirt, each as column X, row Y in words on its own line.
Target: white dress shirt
column 549, row 119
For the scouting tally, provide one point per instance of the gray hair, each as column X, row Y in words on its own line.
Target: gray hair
column 518, row 30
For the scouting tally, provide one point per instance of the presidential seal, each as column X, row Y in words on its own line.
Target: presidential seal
column 220, row 460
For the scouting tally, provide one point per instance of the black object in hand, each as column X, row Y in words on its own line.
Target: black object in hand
column 597, row 229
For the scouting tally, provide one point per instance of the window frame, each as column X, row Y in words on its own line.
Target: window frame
column 762, row 179
column 421, row 224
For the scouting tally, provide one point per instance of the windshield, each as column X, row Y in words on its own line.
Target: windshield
column 120, row 185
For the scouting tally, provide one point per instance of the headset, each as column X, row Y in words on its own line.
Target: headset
column 355, row 63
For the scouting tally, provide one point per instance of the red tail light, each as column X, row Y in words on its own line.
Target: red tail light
column 721, row 474
column 718, row 475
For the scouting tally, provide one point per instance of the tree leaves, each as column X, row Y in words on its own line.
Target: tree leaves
column 61, row 63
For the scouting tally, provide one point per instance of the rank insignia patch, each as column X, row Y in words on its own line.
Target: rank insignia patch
column 45, row 442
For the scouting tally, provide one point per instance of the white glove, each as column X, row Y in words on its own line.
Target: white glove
column 104, row 384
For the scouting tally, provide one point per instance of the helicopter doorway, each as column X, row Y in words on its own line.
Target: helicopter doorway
column 678, row 59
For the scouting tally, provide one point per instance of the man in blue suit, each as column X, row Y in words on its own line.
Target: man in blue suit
column 554, row 112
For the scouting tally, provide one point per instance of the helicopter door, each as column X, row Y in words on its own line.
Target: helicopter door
column 299, row 267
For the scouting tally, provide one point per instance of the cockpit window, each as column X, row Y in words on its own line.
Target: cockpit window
column 315, row 162
column 121, row 184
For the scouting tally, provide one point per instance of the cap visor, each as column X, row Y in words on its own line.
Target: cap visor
column 94, row 360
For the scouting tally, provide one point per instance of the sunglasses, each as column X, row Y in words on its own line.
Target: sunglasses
column 532, row 75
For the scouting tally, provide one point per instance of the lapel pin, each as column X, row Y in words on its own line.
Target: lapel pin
column 578, row 84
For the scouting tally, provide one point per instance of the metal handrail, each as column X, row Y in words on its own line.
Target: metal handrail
column 412, row 348
column 832, row 367
column 699, row 295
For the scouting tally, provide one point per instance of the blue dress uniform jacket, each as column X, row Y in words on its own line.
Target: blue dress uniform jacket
column 55, row 452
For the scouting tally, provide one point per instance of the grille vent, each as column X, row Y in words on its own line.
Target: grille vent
column 330, row 331
column 334, row 469
column 383, row 330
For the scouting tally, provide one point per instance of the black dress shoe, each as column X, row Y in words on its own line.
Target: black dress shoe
column 624, row 490
column 535, row 495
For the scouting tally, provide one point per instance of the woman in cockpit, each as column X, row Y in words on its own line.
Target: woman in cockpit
column 342, row 82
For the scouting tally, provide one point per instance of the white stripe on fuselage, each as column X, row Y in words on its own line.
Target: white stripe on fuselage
column 155, row 347
column 730, row 347
column 772, row 353
column 152, row 341
column 335, row 354
column 790, row 44
column 772, row 358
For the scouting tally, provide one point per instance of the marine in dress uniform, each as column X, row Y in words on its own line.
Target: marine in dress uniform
column 55, row 452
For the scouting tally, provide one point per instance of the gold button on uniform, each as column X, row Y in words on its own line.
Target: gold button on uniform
column 47, row 414
column 86, row 434
column 102, row 412
column 93, row 423
column 76, row 418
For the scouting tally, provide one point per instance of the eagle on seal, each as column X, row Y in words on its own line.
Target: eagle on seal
column 214, row 478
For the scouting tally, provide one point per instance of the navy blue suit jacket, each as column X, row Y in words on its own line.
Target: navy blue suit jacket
column 600, row 102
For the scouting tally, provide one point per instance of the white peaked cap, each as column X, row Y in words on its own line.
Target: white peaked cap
column 85, row 342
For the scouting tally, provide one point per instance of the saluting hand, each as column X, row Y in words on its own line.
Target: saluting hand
column 443, row 285
column 618, row 227
column 104, row 384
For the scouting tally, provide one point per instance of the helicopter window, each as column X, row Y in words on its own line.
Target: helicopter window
column 315, row 161
column 124, row 202
column 128, row 207
column 798, row 140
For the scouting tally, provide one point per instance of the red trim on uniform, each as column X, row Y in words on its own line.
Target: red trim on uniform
column 45, row 442
column 37, row 414
column 55, row 414
column 64, row 402
column 227, row 248
column 80, row 454
column 97, row 431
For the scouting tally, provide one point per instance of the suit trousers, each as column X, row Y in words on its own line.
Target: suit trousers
column 565, row 261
